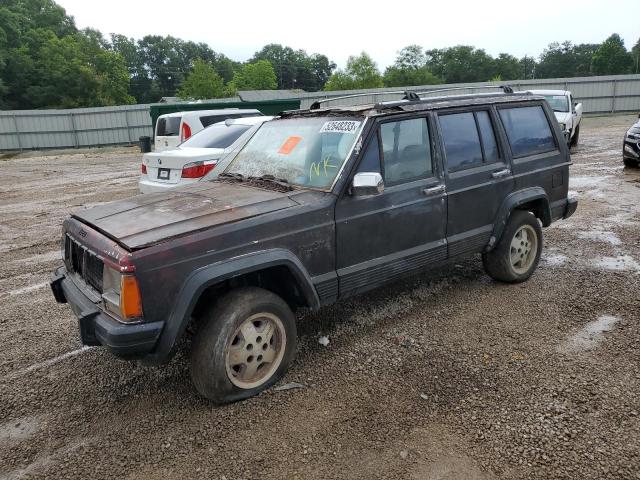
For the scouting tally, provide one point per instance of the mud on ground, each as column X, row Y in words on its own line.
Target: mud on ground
column 447, row 375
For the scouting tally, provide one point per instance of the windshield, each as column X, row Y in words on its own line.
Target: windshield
column 559, row 103
column 216, row 136
column 302, row 151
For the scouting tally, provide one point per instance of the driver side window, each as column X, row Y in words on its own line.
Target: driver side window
column 406, row 150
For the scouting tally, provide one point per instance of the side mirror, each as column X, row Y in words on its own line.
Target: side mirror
column 367, row 183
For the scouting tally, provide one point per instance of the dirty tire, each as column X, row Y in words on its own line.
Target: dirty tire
column 631, row 163
column 221, row 339
column 576, row 136
column 498, row 263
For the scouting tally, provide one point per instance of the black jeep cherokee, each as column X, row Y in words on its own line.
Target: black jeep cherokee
column 320, row 204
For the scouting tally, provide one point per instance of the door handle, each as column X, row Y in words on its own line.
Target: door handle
column 501, row 173
column 433, row 190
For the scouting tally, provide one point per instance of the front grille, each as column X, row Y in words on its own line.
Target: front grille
column 83, row 262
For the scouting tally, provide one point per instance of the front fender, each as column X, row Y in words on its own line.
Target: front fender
column 513, row 201
column 209, row 275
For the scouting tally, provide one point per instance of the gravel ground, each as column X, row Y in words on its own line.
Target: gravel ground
column 445, row 376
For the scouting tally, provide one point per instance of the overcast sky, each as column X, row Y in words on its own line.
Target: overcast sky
column 342, row 28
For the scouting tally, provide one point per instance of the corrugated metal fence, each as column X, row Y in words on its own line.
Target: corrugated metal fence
column 81, row 127
column 78, row 127
column 607, row 94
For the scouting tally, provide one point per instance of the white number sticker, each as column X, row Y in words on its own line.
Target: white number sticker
column 340, row 126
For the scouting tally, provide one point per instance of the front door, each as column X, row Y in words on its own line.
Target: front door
column 384, row 236
column 478, row 177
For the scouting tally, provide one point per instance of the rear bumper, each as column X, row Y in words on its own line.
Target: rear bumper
column 131, row 341
column 149, row 186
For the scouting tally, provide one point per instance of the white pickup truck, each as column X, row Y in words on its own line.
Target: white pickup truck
column 568, row 113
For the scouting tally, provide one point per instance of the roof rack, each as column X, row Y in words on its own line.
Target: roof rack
column 406, row 94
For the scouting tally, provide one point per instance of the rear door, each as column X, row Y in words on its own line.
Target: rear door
column 540, row 154
column 381, row 237
column 478, row 176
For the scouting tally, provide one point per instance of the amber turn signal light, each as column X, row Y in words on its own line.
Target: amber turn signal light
column 130, row 302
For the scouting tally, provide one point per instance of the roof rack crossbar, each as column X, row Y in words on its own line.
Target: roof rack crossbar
column 407, row 95
column 410, row 95
column 504, row 88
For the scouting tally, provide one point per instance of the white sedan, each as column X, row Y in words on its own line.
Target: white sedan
column 197, row 156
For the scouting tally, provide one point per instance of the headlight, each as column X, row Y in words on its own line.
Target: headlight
column 121, row 294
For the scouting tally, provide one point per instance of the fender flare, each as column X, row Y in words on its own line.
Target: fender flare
column 513, row 201
column 204, row 277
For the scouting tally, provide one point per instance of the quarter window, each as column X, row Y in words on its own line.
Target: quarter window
column 528, row 130
column 406, row 150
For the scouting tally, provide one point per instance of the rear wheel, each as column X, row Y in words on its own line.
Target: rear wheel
column 517, row 254
column 576, row 136
column 245, row 344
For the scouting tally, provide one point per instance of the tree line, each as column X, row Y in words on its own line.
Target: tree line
column 47, row 62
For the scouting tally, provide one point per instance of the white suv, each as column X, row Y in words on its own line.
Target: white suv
column 174, row 128
column 195, row 158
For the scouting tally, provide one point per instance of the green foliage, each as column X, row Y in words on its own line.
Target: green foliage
column 611, row 58
column 46, row 61
column 296, row 69
column 410, row 69
column 361, row 72
column 506, row 67
column 460, row 64
column 258, row 75
column 565, row 60
column 202, row 83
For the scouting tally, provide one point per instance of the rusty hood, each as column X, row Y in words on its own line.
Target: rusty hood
column 152, row 218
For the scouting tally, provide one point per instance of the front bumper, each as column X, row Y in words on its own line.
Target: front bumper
column 631, row 149
column 97, row 328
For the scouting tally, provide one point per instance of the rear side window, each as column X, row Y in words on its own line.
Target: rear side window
column 406, row 150
column 528, row 130
column 168, row 127
column 216, row 136
column 461, row 140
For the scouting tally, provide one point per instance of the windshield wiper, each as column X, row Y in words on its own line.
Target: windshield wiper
column 233, row 175
column 280, row 182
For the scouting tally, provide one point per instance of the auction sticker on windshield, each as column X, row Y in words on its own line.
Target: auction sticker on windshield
column 340, row 126
column 289, row 144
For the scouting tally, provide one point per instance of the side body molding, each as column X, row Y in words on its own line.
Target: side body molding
column 209, row 275
column 513, row 201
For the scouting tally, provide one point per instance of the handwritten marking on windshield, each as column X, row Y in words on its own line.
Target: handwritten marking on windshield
column 315, row 168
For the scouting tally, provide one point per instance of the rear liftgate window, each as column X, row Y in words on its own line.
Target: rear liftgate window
column 169, row 127
column 528, row 130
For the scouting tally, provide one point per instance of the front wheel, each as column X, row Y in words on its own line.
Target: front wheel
column 244, row 345
column 517, row 254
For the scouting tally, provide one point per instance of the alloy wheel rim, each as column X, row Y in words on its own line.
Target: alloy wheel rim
column 255, row 350
column 523, row 249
